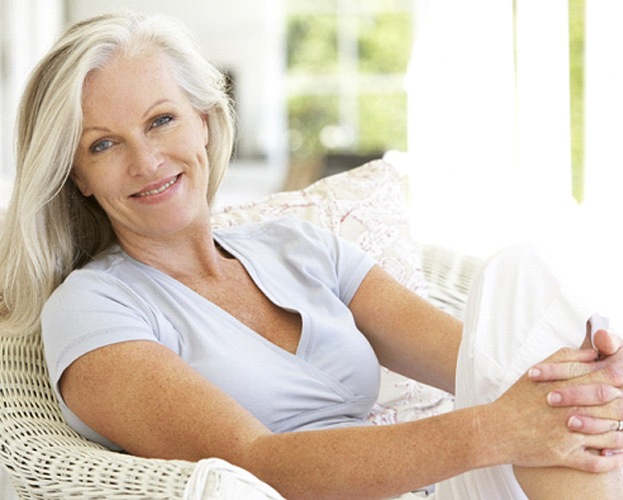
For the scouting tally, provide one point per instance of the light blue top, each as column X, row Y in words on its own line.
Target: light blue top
column 333, row 378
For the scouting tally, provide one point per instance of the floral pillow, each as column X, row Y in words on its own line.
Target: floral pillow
column 365, row 205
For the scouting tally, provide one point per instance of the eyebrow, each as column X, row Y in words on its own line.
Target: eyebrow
column 145, row 114
column 157, row 103
column 95, row 128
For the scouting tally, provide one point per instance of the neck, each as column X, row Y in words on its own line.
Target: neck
column 189, row 253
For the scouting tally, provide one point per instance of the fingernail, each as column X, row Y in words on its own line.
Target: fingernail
column 534, row 372
column 554, row 398
column 575, row 423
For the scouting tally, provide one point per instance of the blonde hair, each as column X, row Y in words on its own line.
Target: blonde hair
column 50, row 229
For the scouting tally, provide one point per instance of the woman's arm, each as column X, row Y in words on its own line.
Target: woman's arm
column 409, row 335
column 143, row 397
column 146, row 399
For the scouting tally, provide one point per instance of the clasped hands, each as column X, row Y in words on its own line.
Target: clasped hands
column 595, row 391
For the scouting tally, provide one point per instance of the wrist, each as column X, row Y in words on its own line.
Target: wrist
column 492, row 444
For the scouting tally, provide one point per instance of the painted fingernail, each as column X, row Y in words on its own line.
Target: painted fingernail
column 554, row 398
column 575, row 423
column 534, row 372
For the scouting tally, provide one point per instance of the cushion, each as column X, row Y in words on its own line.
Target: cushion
column 366, row 205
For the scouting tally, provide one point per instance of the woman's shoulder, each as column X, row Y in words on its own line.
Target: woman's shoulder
column 105, row 275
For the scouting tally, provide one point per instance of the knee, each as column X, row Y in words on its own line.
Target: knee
column 521, row 270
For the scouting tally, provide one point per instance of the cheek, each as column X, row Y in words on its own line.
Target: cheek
column 195, row 141
column 201, row 134
column 99, row 180
column 81, row 181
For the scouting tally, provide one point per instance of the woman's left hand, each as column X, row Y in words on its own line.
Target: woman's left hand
column 601, row 370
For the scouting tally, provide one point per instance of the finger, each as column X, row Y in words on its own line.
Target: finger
column 584, row 395
column 598, row 463
column 568, row 354
column 610, row 453
column 598, row 456
column 606, row 342
column 597, row 460
column 565, row 370
column 604, row 441
column 591, row 425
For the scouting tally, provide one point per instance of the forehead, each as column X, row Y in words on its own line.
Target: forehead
column 129, row 83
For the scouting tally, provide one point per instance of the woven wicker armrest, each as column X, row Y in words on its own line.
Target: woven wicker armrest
column 46, row 459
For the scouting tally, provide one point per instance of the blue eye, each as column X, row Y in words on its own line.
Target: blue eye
column 100, row 146
column 162, row 120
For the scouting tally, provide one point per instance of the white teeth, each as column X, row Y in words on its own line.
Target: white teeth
column 162, row 188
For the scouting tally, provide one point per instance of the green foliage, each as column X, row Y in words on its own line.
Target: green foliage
column 382, row 122
column 307, row 117
column 380, row 42
column 312, row 43
column 576, row 78
column 384, row 43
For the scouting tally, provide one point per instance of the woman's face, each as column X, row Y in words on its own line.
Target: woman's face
column 142, row 153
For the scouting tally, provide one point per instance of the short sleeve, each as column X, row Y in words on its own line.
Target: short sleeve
column 91, row 310
column 351, row 264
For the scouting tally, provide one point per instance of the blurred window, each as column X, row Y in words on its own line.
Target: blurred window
column 346, row 66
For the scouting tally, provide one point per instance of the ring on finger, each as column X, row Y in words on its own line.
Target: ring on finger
column 619, row 427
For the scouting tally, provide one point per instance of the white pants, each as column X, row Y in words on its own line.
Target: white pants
column 521, row 309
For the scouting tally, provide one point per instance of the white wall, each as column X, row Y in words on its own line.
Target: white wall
column 489, row 121
column 245, row 37
column 27, row 28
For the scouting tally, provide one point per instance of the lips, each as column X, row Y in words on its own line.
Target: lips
column 157, row 190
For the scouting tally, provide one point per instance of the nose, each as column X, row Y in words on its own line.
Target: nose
column 144, row 158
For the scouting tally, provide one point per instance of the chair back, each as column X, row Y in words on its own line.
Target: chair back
column 45, row 458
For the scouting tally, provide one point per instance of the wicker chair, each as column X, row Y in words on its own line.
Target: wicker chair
column 46, row 459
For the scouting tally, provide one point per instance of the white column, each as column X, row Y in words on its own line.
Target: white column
column 543, row 100
column 461, row 120
column 604, row 106
column 489, row 121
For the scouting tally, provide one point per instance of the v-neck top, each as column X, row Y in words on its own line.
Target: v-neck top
column 332, row 380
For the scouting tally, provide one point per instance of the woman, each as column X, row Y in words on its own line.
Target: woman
column 166, row 339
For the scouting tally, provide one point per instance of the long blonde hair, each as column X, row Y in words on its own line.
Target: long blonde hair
column 50, row 229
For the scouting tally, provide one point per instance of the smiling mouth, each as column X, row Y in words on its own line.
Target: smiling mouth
column 158, row 190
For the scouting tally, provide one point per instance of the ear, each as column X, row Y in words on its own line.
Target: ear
column 79, row 183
